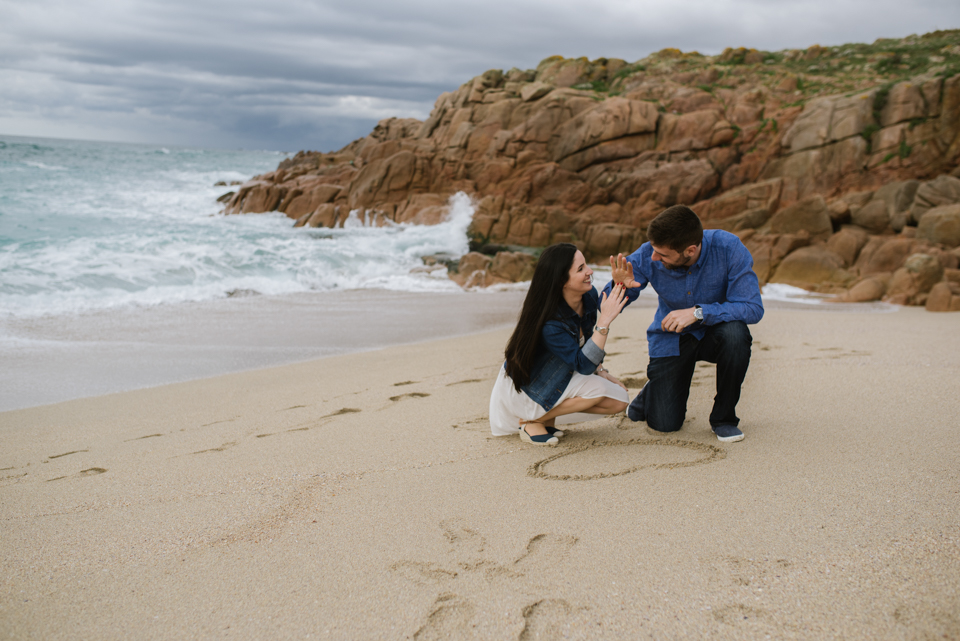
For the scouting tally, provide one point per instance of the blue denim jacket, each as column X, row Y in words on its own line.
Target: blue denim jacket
column 559, row 352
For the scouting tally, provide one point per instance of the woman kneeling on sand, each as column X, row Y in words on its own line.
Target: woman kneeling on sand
column 554, row 360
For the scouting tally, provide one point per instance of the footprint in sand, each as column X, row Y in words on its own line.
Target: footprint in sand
column 469, row 380
column 11, row 479
column 739, row 613
column 738, row 571
column 837, row 352
column 634, row 382
column 226, row 420
column 225, row 446
column 316, row 422
column 736, row 575
column 479, row 424
column 605, row 459
column 544, row 620
column 140, row 438
column 410, row 395
column 451, row 614
column 401, row 383
column 66, row 454
column 93, row 471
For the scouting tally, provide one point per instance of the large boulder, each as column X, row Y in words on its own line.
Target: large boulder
column 612, row 118
column 943, row 190
column 760, row 195
column 847, row 243
column 472, row 270
column 696, row 130
column 867, row 290
column 944, row 297
column 874, row 216
column 904, row 102
column 326, row 215
column 899, row 197
column 941, row 225
column 303, row 203
column 811, row 268
column 829, row 119
column 535, row 91
column 887, row 256
column 513, row 266
column 810, row 214
column 919, row 273
column 607, row 239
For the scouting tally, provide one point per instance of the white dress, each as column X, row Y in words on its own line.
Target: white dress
column 508, row 406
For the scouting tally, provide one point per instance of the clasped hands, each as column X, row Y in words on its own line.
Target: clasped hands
column 676, row 321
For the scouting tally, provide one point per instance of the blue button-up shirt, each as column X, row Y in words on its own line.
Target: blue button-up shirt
column 721, row 282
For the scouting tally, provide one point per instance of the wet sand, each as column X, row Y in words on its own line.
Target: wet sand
column 362, row 496
column 58, row 358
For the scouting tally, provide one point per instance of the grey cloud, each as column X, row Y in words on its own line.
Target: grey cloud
column 318, row 74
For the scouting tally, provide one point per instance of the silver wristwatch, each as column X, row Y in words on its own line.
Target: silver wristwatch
column 698, row 312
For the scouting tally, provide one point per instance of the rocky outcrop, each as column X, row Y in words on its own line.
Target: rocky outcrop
column 841, row 157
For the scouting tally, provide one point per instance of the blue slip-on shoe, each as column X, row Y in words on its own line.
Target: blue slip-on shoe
column 728, row 433
column 635, row 411
column 539, row 439
column 552, row 431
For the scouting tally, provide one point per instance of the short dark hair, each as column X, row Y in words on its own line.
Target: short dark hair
column 676, row 227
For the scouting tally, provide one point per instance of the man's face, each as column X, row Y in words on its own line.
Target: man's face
column 673, row 259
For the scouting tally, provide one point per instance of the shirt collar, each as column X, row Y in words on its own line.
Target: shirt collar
column 704, row 244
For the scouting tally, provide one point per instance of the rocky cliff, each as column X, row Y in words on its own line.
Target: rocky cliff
column 837, row 167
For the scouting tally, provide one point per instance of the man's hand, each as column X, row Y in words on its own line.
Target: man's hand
column 622, row 271
column 678, row 320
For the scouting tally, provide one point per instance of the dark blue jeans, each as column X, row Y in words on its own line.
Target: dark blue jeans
column 665, row 396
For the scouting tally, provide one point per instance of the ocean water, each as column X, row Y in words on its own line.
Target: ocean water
column 118, row 271
column 88, row 226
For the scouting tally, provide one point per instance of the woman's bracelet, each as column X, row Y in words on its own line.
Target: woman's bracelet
column 601, row 370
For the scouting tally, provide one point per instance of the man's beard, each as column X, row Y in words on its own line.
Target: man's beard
column 677, row 266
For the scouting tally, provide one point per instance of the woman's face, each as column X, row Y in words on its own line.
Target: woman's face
column 580, row 277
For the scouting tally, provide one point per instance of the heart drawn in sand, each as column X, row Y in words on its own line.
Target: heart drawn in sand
column 605, row 459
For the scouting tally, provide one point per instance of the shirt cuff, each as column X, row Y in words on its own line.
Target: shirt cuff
column 593, row 352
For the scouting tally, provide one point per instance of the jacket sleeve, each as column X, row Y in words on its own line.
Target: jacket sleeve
column 558, row 338
column 743, row 293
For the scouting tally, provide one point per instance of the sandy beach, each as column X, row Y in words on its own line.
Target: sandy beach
column 362, row 496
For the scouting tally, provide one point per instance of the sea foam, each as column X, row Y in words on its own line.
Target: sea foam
column 92, row 226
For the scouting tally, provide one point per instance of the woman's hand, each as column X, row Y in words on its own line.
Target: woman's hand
column 612, row 305
column 613, row 379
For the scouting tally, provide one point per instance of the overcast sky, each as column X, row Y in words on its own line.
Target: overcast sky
column 309, row 74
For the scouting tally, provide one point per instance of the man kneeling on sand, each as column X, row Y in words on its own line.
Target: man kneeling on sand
column 708, row 295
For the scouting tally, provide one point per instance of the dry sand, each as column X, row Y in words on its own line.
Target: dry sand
column 362, row 497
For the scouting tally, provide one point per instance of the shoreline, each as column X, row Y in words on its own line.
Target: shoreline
column 362, row 496
column 51, row 359
column 57, row 358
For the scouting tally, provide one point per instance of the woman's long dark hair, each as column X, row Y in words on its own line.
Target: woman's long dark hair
column 540, row 305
